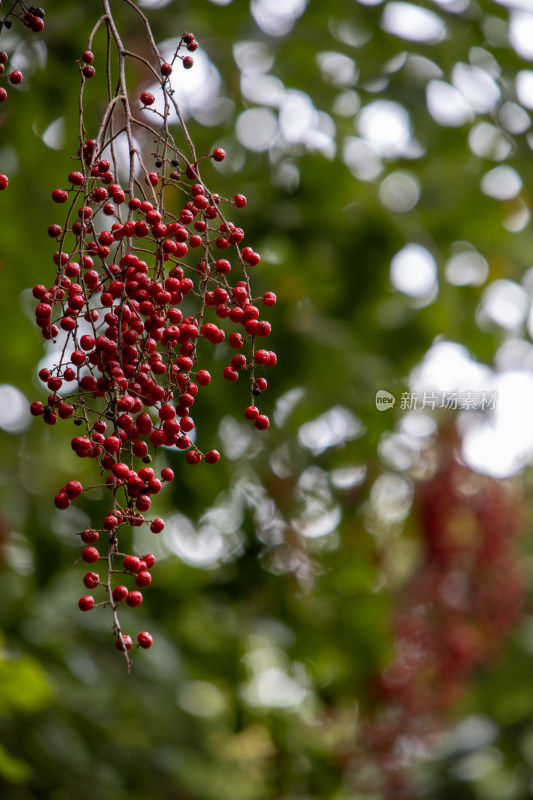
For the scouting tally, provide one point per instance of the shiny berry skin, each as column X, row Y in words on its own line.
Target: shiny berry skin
column 240, row 200
column 212, row 457
column 15, row 77
column 128, row 642
column 166, row 69
column 90, row 554
column 262, row 422
column 120, row 593
column 269, row 299
column 4, row 181
column 219, row 154
column 134, row 599
column 89, row 71
column 88, row 536
column 193, row 457
column 144, row 639
column 157, row 525
column 167, row 474
column 87, row 57
column 91, row 580
column 251, row 413
column 132, row 563
column 149, row 560
column 147, row 98
column 86, row 602
column 203, row 377
column 59, row 196
column 143, row 579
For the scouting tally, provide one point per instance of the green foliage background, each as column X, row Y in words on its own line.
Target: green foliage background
column 72, row 723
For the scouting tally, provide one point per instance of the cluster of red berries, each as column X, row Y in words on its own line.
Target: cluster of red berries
column 32, row 17
column 454, row 613
column 14, row 78
column 134, row 288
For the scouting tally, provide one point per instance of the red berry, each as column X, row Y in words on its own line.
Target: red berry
column 127, row 642
column 147, row 98
column 149, row 560
column 15, row 77
column 4, row 181
column 251, row 413
column 73, row 489
column 157, row 525
column 143, row 578
column 134, row 599
column 3, row 95
column 59, row 196
column 89, row 536
column 230, row 373
column 188, row 62
column 90, row 554
column 91, row 580
column 167, row 474
column 120, row 593
column 86, row 602
column 88, row 71
column 145, row 639
column 212, row 456
column 166, row 69
column 87, row 56
column 219, row 154
column 261, row 422
column 203, row 377
column 132, row 563
column 269, row 299
column 61, row 500
column 240, row 200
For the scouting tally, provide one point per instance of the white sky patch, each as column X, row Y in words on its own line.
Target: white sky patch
column 413, row 271
column 502, row 443
column 467, row 268
column 257, row 129
column 447, row 105
column 506, row 304
column 524, row 87
column 477, row 86
column 14, row 410
column 399, row 191
column 361, row 158
column 514, row 118
column 54, row 135
column 487, row 141
column 449, row 367
column 334, row 427
column 412, row 23
column 387, row 126
column 502, row 183
column 277, row 17
column 337, row 69
column 521, row 32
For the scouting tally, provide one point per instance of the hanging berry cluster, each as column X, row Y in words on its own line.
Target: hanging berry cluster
column 146, row 260
column 454, row 614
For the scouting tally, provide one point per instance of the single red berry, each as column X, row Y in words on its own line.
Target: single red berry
column 91, row 580
column 145, row 639
column 262, row 422
column 219, row 154
column 152, row 178
column 134, row 599
column 269, row 299
column 120, row 593
column 4, row 56
column 167, row 474
column 149, row 560
column 3, row 95
column 240, row 200
column 59, row 196
column 166, row 69
column 187, row 38
column 4, row 181
column 90, row 554
column 212, row 456
column 73, row 489
column 132, row 563
column 230, row 373
column 128, row 642
column 89, row 536
column 62, row 500
column 147, row 98
column 193, row 457
column 88, row 71
column 143, row 579
column 203, row 377
column 76, row 178
column 15, row 77
column 86, row 602
column 188, row 62
column 251, row 413
column 87, row 56
column 157, row 525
